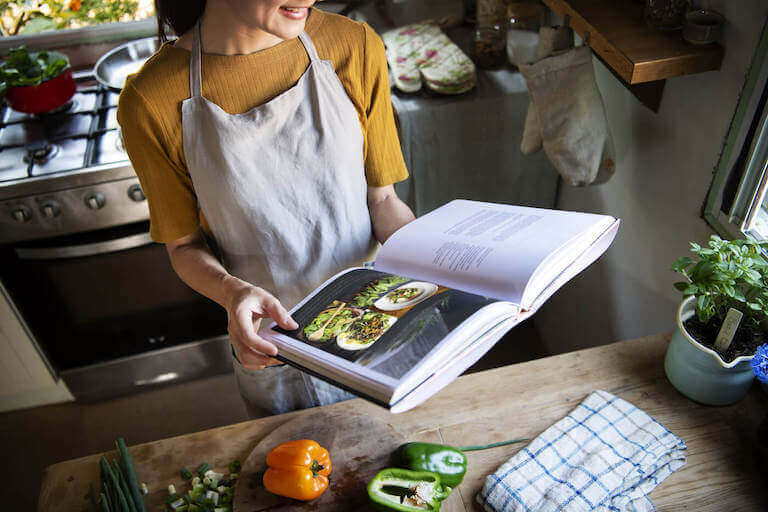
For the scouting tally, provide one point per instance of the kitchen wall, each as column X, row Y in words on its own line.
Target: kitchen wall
column 665, row 163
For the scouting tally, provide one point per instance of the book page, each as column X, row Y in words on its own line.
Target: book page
column 484, row 248
column 372, row 323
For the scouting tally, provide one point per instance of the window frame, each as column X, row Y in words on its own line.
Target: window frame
column 93, row 34
column 739, row 220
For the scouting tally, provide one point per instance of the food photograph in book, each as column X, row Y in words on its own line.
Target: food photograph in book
column 384, row 322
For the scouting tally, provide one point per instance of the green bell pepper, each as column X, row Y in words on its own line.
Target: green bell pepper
column 404, row 490
column 448, row 462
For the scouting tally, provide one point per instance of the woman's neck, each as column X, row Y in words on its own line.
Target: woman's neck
column 224, row 33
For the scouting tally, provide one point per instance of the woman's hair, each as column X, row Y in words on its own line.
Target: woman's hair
column 178, row 15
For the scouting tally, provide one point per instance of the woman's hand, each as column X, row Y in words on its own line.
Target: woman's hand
column 247, row 306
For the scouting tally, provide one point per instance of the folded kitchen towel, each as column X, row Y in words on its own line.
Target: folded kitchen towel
column 604, row 455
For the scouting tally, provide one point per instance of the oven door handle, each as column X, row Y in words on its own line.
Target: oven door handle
column 77, row 251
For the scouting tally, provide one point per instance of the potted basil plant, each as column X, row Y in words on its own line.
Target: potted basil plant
column 721, row 321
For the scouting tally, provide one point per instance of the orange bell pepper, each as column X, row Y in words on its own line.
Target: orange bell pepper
column 298, row 470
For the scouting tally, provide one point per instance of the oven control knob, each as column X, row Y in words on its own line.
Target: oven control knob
column 21, row 213
column 50, row 209
column 95, row 201
column 136, row 194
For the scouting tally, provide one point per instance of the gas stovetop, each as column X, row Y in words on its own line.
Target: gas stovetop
column 81, row 134
column 66, row 171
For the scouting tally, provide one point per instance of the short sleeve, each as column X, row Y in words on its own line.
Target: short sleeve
column 384, row 164
column 166, row 184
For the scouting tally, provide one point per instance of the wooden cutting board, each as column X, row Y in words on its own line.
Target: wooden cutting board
column 359, row 446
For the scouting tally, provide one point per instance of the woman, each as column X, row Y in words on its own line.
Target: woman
column 268, row 126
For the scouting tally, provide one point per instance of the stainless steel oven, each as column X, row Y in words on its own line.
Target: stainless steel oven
column 100, row 299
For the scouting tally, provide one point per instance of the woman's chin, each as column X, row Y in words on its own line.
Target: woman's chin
column 287, row 31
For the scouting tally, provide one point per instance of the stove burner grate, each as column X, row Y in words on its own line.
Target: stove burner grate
column 70, row 106
column 41, row 148
column 40, row 152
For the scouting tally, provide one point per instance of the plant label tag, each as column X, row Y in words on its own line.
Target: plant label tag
column 728, row 330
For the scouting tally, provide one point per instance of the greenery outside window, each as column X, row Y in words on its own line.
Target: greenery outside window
column 55, row 23
column 737, row 203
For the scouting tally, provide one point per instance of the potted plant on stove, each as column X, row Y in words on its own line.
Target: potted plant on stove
column 721, row 321
column 36, row 82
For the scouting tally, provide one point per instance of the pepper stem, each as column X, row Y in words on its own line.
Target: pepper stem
column 476, row 447
column 316, row 467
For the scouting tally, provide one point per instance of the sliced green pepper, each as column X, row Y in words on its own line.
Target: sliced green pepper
column 448, row 462
column 404, row 490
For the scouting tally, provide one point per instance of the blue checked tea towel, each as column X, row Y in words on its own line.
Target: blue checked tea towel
column 605, row 455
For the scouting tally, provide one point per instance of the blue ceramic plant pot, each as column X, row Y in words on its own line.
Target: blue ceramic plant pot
column 698, row 372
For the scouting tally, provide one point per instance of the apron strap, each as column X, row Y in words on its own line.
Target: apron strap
column 195, row 58
column 309, row 46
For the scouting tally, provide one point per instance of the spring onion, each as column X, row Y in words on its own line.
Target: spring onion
column 202, row 469
column 186, row 474
column 119, row 491
column 123, row 486
column 210, row 491
column 130, row 475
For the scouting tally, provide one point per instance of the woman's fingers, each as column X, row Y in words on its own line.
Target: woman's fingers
column 250, row 359
column 244, row 319
column 246, row 328
column 278, row 313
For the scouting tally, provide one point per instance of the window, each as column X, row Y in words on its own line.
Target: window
column 56, row 23
column 737, row 203
column 25, row 17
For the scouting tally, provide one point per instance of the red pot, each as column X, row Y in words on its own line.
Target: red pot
column 49, row 95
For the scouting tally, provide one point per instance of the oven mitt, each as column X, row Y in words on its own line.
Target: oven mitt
column 552, row 41
column 422, row 53
column 571, row 116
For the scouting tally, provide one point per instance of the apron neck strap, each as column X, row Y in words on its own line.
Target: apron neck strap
column 195, row 58
column 195, row 75
column 309, row 46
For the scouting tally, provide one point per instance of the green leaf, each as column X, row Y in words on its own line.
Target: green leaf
column 38, row 24
column 681, row 285
column 681, row 263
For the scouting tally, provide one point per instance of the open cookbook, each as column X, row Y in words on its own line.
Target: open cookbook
column 443, row 290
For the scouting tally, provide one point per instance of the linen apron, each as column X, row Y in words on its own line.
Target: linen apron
column 283, row 189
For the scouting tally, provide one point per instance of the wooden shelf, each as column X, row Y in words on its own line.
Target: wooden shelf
column 637, row 53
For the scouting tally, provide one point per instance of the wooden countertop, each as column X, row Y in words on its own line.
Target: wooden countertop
column 519, row 400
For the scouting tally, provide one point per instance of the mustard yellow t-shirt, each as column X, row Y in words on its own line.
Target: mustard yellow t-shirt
column 149, row 110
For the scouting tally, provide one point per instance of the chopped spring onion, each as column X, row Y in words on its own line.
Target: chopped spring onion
column 186, row 474
column 144, row 488
column 179, row 504
column 203, row 468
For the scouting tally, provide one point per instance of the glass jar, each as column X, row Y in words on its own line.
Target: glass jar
column 489, row 47
column 525, row 16
column 524, row 21
column 665, row 14
column 490, row 13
